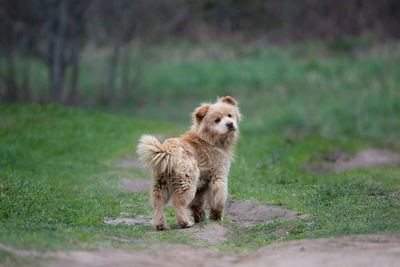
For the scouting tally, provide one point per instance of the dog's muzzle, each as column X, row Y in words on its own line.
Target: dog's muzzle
column 230, row 127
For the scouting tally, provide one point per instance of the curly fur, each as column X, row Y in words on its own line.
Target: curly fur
column 195, row 166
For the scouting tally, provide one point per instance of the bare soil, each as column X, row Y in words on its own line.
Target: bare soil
column 214, row 234
column 364, row 250
column 136, row 185
column 165, row 255
column 368, row 158
column 210, row 234
column 128, row 163
column 129, row 221
column 339, row 160
column 250, row 213
column 243, row 213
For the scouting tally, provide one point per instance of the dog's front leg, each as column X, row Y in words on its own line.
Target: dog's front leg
column 218, row 192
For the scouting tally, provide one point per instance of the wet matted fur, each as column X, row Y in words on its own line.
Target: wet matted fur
column 194, row 167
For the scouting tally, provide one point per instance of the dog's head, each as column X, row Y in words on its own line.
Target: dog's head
column 218, row 121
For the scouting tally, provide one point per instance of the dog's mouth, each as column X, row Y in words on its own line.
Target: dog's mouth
column 231, row 129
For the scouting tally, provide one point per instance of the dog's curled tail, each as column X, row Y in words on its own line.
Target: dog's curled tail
column 152, row 154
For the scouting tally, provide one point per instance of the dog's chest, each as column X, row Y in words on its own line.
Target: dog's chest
column 217, row 165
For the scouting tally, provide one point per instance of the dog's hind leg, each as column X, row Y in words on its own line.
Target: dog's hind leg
column 160, row 197
column 197, row 206
column 218, row 192
column 184, row 190
column 180, row 201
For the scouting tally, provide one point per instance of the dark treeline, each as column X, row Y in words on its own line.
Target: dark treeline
column 55, row 32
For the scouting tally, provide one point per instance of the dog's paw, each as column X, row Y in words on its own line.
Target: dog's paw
column 215, row 215
column 161, row 227
column 199, row 216
column 186, row 224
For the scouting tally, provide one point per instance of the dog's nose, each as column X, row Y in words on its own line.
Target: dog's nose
column 230, row 125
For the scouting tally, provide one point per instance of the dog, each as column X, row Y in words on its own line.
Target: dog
column 195, row 166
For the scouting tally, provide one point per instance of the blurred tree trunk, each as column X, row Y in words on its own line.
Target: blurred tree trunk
column 56, row 53
column 69, row 96
column 126, row 67
column 112, row 73
column 26, row 80
column 10, row 79
column 74, row 79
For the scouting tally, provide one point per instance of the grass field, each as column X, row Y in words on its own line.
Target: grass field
column 55, row 182
column 347, row 87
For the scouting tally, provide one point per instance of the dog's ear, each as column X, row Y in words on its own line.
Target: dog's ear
column 229, row 100
column 200, row 112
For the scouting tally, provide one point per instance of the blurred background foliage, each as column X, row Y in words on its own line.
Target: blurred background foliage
column 297, row 67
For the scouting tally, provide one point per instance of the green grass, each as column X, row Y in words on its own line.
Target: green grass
column 358, row 201
column 56, row 188
column 345, row 87
column 308, row 88
column 55, row 184
column 304, row 88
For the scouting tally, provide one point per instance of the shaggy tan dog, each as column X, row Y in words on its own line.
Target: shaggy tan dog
column 194, row 166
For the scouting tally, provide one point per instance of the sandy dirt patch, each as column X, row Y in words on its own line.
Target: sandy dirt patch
column 128, row 163
column 214, row 234
column 165, row 255
column 136, row 185
column 210, row 234
column 368, row 158
column 339, row 160
column 368, row 250
column 243, row 213
column 140, row 219
column 250, row 213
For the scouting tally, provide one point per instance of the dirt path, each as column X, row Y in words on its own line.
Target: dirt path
column 368, row 250
column 249, row 213
column 245, row 214
column 340, row 160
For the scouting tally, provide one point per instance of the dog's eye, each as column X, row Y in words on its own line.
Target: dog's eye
column 229, row 115
column 217, row 120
